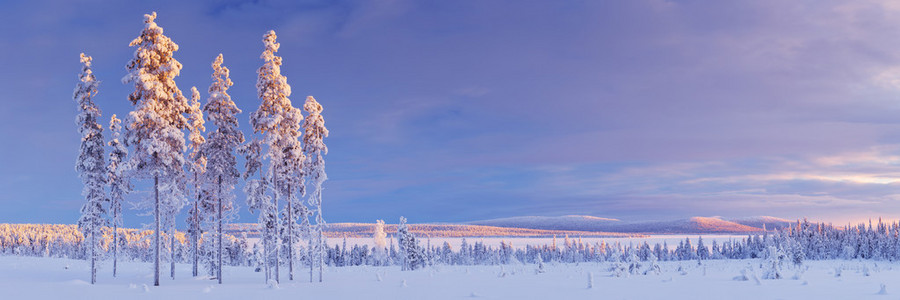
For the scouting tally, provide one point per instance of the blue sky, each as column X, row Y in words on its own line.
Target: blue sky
column 461, row 110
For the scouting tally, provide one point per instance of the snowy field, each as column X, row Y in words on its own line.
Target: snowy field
column 55, row 278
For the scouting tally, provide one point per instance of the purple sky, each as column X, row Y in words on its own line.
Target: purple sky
column 461, row 110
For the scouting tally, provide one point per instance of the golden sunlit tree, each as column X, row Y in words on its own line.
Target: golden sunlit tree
column 155, row 128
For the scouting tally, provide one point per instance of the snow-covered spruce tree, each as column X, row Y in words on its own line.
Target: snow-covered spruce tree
column 279, row 123
column 702, row 251
column 119, row 186
column 314, row 133
column 653, row 265
column 220, row 151
column 402, row 231
column 90, row 164
column 411, row 254
column 380, row 243
column 155, row 127
column 196, row 167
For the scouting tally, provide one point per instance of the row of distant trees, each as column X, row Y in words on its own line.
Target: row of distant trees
column 279, row 167
column 793, row 245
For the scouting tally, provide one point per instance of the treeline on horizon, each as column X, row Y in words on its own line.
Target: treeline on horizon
column 801, row 241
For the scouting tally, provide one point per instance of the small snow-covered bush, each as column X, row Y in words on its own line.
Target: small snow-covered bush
column 774, row 263
column 618, row 269
column 746, row 275
column 799, row 274
column 634, row 264
column 653, row 266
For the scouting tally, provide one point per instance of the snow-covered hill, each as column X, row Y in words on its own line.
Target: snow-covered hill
column 691, row 225
column 589, row 223
column 534, row 226
column 769, row 222
column 366, row 230
column 570, row 222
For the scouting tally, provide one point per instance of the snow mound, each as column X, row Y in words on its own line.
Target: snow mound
column 78, row 282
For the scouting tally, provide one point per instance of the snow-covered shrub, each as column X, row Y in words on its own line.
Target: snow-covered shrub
column 540, row 264
column 653, row 266
column 633, row 264
column 747, row 274
column 799, row 273
column 744, row 275
column 774, row 263
column 849, row 252
column 618, row 267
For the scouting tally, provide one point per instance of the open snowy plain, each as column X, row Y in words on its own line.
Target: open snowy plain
column 56, row 278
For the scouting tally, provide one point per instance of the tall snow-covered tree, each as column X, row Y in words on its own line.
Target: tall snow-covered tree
column 702, row 251
column 314, row 133
column 220, row 151
column 90, row 164
column 279, row 123
column 380, row 242
column 411, row 254
column 119, row 186
column 155, row 127
column 197, row 167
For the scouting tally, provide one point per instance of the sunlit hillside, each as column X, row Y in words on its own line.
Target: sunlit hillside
column 361, row 230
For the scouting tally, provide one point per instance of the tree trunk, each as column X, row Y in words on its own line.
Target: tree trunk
column 93, row 255
column 265, row 236
column 115, row 244
column 265, row 261
column 172, row 250
column 321, row 253
column 196, row 232
column 219, row 269
column 277, row 232
column 290, row 237
column 156, row 232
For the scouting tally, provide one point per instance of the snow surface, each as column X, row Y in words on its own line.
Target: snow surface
column 57, row 278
